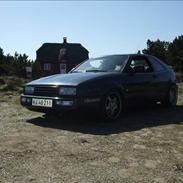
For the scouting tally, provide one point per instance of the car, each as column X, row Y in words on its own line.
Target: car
column 105, row 83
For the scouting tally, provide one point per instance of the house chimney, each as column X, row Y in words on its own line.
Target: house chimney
column 64, row 40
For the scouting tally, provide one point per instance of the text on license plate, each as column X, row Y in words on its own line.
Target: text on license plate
column 42, row 102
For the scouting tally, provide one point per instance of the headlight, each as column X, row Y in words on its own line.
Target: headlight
column 29, row 90
column 67, row 91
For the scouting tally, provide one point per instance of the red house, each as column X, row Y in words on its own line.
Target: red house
column 60, row 57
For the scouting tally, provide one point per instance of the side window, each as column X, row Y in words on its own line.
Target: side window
column 156, row 65
column 139, row 65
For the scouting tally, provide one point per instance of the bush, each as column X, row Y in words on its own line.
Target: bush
column 12, row 83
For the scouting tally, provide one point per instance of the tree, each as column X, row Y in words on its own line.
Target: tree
column 157, row 48
column 175, row 53
column 36, row 69
column 1, row 54
column 13, row 65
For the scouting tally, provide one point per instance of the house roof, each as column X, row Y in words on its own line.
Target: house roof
column 51, row 52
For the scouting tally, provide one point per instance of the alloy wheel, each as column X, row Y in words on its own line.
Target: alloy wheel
column 113, row 105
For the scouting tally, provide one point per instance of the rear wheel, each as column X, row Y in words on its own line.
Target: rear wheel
column 171, row 98
column 111, row 105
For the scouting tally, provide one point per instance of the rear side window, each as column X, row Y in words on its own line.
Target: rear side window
column 158, row 67
column 140, row 65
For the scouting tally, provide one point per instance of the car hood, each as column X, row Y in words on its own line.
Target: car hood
column 72, row 79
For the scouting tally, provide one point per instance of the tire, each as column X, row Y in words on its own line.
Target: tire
column 111, row 105
column 171, row 97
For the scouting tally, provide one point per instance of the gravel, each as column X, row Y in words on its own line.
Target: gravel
column 144, row 145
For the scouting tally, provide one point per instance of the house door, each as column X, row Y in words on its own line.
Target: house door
column 63, row 68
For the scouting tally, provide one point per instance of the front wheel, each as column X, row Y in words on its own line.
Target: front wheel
column 111, row 105
column 171, row 98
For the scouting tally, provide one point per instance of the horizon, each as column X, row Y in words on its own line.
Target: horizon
column 102, row 27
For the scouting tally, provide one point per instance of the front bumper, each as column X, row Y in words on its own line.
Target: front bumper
column 60, row 103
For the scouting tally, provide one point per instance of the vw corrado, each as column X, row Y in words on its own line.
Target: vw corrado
column 105, row 83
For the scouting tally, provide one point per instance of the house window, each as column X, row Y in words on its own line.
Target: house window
column 47, row 67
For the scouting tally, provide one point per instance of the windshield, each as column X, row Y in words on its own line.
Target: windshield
column 112, row 63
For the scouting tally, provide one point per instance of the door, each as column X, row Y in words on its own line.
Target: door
column 161, row 78
column 63, row 68
column 137, row 79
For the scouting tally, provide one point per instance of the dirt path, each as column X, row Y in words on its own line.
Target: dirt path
column 143, row 146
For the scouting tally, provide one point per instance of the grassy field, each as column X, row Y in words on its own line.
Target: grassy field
column 144, row 146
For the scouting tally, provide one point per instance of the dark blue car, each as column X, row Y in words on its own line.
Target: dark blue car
column 106, row 83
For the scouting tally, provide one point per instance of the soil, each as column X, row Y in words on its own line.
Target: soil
column 144, row 145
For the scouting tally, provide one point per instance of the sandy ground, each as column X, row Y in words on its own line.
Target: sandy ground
column 144, row 145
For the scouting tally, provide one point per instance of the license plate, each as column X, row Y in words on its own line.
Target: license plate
column 42, row 102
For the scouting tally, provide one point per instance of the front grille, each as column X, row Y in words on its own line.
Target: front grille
column 49, row 91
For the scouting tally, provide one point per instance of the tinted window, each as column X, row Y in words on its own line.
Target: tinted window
column 139, row 64
column 156, row 65
column 112, row 63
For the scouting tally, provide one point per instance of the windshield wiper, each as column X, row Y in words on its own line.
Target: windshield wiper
column 95, row 70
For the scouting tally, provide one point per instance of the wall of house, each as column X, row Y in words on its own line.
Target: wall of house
column 55, row 68
column 48, row 53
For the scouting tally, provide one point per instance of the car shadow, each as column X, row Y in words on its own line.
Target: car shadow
column 132, row 119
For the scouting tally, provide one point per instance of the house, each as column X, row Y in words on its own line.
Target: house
column 60, row 57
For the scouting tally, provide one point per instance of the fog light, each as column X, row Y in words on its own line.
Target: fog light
column 23, row 99
column 28, row 100
column 59, row 102
column 65, row 102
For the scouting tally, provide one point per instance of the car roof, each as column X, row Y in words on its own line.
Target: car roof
column 136, row 54
column 131, row 54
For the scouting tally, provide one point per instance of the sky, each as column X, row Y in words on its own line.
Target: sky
column 103, row 27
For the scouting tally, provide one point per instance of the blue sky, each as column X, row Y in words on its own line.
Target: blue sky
column 103, row 27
